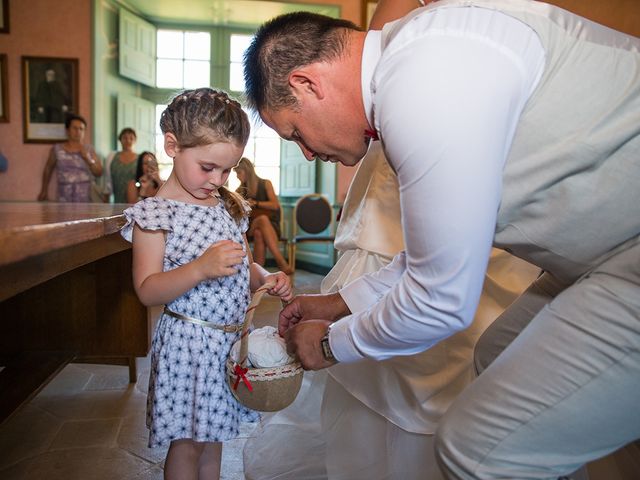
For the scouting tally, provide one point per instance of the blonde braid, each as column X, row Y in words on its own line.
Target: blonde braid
column 235, row 204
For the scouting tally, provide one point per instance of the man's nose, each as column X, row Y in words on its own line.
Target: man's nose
column 308, row 154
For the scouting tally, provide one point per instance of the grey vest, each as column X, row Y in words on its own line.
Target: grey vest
column 571, row 182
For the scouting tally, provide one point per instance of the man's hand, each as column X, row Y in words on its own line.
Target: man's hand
column 328, row 307
column 303, row 342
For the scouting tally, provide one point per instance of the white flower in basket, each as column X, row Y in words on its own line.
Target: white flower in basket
column 266, row 389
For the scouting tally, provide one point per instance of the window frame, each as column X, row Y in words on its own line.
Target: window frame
column 182, row 59
column 220, row 73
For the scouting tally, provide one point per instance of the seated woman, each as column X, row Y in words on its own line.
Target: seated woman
column 147, row 181
column 264, row 227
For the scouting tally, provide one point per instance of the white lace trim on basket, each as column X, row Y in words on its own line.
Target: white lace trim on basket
column 268, row 374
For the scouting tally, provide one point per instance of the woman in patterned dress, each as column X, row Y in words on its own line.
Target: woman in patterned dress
column 76, row 164
column 190, row 254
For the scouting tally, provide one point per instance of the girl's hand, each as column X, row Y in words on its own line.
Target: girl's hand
column 220, row 260
column 282, row 287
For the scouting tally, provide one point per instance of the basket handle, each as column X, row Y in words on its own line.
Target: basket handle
column 248, row 320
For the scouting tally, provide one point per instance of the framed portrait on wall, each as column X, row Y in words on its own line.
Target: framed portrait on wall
column 367, row 9
column 4, row 89
column 50, row 93
column 4, row 16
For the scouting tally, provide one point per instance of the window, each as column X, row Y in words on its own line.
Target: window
column 165, row 163
column 238, row 44
column 263, row 148
column 176, row 49
column 183, row 59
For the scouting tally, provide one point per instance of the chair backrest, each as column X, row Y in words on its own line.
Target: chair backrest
column 313, row 213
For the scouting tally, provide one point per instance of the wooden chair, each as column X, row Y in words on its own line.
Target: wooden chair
column 312, row 215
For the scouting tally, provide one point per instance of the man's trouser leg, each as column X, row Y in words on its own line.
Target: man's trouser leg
column 564, row 392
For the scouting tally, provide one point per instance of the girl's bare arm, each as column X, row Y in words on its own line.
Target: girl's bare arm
column 258, row 276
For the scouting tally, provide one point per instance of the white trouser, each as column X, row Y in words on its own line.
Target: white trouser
column 566, row 388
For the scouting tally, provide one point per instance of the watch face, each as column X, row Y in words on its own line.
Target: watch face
column 326, row 349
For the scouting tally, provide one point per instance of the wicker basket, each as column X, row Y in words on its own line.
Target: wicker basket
column 262, row 389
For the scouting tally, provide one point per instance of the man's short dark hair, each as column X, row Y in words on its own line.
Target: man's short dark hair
column 283, row 44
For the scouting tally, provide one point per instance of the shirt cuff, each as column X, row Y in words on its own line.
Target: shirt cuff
column 359, row 295
column 341, row 343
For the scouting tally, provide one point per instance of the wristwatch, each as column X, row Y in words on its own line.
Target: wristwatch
column 326, row 347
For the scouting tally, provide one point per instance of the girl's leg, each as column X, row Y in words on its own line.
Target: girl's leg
column 210, row 460
column 259, row 253
column 182, row 460
column 270, row 239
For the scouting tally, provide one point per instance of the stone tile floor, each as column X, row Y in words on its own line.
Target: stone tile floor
column 89, row 422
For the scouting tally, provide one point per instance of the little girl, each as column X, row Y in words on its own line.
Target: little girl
column 190, row 253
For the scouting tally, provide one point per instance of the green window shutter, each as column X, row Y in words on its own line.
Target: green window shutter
column 138, row 114
column 297, row 175
column 137, row 49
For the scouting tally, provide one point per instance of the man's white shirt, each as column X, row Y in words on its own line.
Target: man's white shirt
column 445, row 96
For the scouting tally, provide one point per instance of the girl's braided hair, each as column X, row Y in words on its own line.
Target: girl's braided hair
column 204, row 116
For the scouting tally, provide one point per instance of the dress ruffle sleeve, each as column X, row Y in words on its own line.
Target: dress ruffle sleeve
column 244, row 224
column 153, row 213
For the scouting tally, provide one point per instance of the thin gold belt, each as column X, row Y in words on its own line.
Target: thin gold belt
column 234, row 328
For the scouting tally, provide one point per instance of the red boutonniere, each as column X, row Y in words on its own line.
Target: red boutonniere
column 372, row 134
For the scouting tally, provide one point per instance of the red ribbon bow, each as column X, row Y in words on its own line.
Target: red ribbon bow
column 240, row 373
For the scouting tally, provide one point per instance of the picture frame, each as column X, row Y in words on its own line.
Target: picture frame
column 367, row 8
column 4, row 16
column 49, row 94
column 4, row 89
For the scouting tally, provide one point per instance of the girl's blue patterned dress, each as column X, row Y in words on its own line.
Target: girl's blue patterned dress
column 188, row 394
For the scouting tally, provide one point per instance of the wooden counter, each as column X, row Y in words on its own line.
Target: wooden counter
column 65, row 294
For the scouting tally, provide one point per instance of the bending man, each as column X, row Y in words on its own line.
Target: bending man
column 511, row 122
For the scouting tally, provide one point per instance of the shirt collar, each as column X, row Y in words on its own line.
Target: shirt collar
column 370, row 56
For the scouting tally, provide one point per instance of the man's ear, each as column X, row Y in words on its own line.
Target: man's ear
column 306, row 81
column 170, row 144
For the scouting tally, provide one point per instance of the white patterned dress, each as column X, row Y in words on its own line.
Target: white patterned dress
column 188, row 394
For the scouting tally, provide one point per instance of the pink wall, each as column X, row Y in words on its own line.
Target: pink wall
column 48, row 29
column 63, row 29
